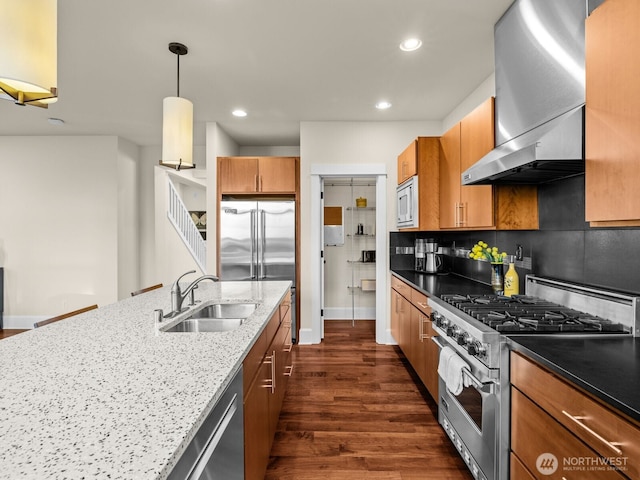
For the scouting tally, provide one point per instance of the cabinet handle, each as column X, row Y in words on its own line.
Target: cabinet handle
column 423, row 318
column 420, row 327
column 260, row 182
column 288, row 348
column 255, row 182
column 271, row 383
column 463, row 210
column 289, row 370
column 423, row 305
column 576, row 419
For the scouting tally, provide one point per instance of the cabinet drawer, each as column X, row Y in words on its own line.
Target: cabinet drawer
column 253, row 360
column 285, row 305
column 534, row 433
column 517, row 471
column 604, row 430
column 419, row 300
column 401, row 287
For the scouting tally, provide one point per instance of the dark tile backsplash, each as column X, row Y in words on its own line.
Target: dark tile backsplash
column 565, row 246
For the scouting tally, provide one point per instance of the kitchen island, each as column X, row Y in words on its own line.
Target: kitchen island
column 106, row 395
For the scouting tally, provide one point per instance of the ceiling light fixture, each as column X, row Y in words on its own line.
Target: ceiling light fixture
column 238, row 112
column 28, row 64
column 177, row 124
column 383, row 105
column 410, row 44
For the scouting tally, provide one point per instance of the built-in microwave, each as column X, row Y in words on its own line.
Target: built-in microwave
column 407, row 203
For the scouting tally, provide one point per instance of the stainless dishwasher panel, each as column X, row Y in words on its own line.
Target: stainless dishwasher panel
column 217, row 450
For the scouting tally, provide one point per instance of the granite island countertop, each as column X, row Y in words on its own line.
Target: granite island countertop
column 608, row 367
column 105, row 395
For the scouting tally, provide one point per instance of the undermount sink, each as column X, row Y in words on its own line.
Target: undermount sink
column 225, row 310
column 207, row 325
column 217, row 317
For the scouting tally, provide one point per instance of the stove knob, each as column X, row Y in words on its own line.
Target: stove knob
column 444, row 323
column 463, row 339
column 450, row 329
column 437, row 318
column 476, row 349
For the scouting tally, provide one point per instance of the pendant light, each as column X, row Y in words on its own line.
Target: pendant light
column 28, row 64
column 177, row 124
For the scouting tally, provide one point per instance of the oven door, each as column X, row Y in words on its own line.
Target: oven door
column 407, row 203
column 471, row 418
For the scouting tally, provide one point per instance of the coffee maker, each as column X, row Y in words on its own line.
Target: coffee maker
column 427, row 258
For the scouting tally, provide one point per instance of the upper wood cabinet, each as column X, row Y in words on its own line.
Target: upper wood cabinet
column 257, row 174
column 479, row 206
column 463, row 145
column 612, row 167
column 408, row 162
column 422, row 158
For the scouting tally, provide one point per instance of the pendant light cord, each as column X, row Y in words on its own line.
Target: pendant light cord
column 178, row 76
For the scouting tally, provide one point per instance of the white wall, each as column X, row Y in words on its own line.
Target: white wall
column 59, row 223
column 128, row 218
column 348, row 143
column 485, row 90
column 157, row 265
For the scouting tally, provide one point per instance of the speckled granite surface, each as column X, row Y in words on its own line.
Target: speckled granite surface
column 104, row 395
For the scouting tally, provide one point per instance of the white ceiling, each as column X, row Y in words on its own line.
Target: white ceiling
column 285, row 61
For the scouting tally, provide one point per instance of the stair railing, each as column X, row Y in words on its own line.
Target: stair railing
column 181, row 219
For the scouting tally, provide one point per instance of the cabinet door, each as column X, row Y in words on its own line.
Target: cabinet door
column 612, row 169
column 257, row 442
column 418, row 350
column 395, row 315
column 238, row 174
column 277, row 174
column 534, row 432
column 476, row 140
column 432, row 359
column 408, row 162
column 450, row 178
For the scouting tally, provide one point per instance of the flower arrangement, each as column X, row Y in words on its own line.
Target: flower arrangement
column 482, row 251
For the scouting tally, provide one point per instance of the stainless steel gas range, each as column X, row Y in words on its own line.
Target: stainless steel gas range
column 476, row 328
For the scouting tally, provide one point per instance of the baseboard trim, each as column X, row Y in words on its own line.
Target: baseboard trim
column 21, row 322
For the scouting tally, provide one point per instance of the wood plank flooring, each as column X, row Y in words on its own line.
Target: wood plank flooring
column 4, row 333
column 355, row 410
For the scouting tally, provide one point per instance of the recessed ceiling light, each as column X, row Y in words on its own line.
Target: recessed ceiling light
column 55, row 121
column 238, row 112
column 383, row 105
column 410, row 44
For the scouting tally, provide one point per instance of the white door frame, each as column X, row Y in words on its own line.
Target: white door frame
column 319, row 173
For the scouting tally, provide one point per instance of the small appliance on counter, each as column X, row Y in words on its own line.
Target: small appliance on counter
column 427, row 258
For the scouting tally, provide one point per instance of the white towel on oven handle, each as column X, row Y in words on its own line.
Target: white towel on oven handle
column 450, row 367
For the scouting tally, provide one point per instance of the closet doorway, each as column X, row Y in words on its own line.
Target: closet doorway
column 349, row 249
column 346, row 299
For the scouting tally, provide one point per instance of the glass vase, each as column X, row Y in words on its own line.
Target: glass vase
column 497, row 278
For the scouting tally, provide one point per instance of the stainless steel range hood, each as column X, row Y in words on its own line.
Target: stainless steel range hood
column 549, row 152
column 540, row 95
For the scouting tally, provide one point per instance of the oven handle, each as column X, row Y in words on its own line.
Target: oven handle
column 483, row 387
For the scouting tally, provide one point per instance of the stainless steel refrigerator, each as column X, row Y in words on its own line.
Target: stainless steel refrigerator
column 258, row 242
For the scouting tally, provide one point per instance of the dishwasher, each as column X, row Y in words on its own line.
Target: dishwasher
column 217, row 450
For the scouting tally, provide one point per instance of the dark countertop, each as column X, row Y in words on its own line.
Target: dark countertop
column 607, row 367
column 436, row 285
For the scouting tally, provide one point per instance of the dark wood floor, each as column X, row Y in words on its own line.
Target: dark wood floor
column 4, row 333
column 354, row 410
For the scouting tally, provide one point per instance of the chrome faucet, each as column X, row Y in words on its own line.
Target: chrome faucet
column 178, row 296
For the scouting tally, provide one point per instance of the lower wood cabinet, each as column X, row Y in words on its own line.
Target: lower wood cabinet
column 555, row 425
column 267, row 368
column 411, row 327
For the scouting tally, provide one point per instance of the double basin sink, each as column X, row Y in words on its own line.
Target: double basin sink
column 217, row 317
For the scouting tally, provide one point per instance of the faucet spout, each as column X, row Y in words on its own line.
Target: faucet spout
column 178, row 296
